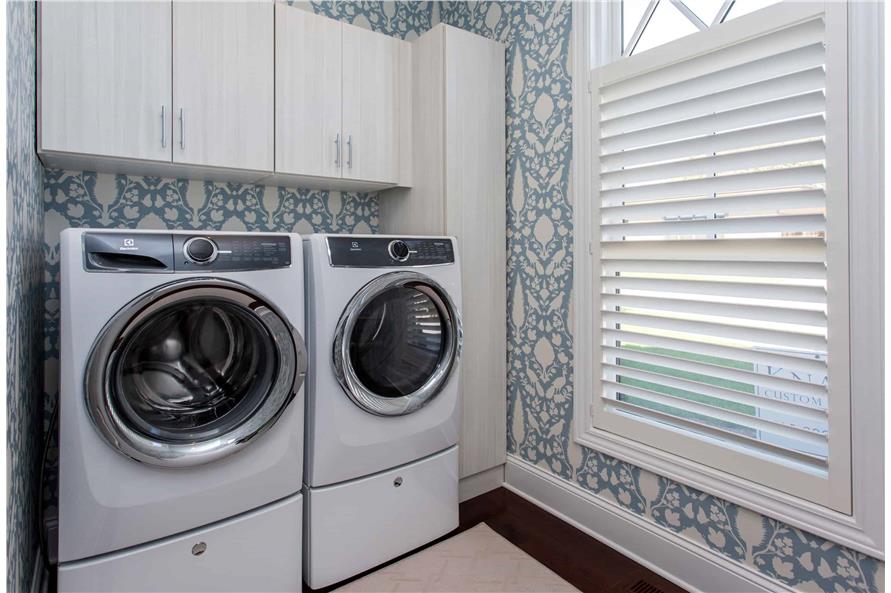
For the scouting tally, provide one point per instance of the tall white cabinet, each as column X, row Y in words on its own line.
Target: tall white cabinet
column 105, row 79
column 458, row 188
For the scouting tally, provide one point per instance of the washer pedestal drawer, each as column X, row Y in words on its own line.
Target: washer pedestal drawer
column 356, row 525
column 256, row 551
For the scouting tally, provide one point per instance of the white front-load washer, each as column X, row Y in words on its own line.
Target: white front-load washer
column 181, row 411
column 384, row 339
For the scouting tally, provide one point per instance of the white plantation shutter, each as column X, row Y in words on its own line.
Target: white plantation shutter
column 722, row 255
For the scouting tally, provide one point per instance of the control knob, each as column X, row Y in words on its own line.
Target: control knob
column 200, row 250
column 398, row 250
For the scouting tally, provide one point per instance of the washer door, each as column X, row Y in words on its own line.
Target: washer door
column 397, row 343
column 192, row 371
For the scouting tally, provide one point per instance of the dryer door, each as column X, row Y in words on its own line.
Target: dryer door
column 192, row 371
column 397, row 343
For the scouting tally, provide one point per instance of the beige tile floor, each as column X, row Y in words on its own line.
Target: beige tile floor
column 477, row 560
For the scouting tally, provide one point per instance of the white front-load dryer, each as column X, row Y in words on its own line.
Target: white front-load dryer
column 384, row 339
column 181, row 411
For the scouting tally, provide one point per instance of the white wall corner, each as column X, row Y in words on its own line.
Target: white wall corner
column 480, row 483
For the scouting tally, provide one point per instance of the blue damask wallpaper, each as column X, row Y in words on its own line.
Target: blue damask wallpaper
column 24, row 233
column 539, row 243
column 399, row 19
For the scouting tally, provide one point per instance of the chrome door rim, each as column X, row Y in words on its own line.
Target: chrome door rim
column 343, row 367
column 290, row 375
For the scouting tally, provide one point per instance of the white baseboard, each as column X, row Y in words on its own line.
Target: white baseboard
column 480, row 483
column 691, row 566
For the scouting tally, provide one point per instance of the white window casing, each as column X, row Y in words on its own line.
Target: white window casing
column 723, row 263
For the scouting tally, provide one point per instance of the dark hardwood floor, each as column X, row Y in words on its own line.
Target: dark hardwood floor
column 583, row 561
column 589, row 565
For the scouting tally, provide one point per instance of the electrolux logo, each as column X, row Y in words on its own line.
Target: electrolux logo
column 129, row 244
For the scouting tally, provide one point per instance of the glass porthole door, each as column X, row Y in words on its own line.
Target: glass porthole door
column 397, row 343
column 191, row 372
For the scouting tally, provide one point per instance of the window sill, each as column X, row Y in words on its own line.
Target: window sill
column 808, row 516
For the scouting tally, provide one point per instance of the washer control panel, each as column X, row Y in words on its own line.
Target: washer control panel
column 386, row 252
column 184, row 252
column 231, row 252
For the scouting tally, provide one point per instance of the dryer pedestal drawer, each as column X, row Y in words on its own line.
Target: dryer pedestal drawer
column 256, row 551
column 356, row 525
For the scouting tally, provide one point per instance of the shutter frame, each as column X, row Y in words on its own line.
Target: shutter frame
column 636, row 164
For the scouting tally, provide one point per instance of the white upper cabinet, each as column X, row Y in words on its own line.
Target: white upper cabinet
column 307, row 93
column 223, row 69
column 371, row 92
column 343, row 103
column 231, row 90
column 105, row 83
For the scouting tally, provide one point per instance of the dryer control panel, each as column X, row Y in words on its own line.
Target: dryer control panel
column 387, row 252
column 184, row 252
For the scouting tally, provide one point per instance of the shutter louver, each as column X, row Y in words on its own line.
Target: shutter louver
column 713, row 255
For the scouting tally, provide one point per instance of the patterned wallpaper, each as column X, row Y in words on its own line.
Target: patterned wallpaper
column 540, row 358
column 539, row 242
column 24, row 231
column 399, row 19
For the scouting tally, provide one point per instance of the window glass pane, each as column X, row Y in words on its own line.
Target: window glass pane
column 803, row 401
column 632, row 12
column 741, row 7
column 705, row 9
column 666, row 25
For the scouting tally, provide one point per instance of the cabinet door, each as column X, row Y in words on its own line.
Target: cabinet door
column 475, row 215
column 371, row 92
column 223, row 72
column 105, row 78
column 308, row 60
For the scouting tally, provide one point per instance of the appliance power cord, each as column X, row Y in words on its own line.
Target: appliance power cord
column 41, row 506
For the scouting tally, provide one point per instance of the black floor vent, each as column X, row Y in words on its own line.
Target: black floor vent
column 643, row 586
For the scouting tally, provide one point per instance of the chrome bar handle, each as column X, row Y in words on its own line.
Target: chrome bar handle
column 350, row 151
column 163, row 129
column 337, row 150
column 182, row 130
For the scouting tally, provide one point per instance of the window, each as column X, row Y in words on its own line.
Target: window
column 649, row 23
column 713, row 217
column 712, row 288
